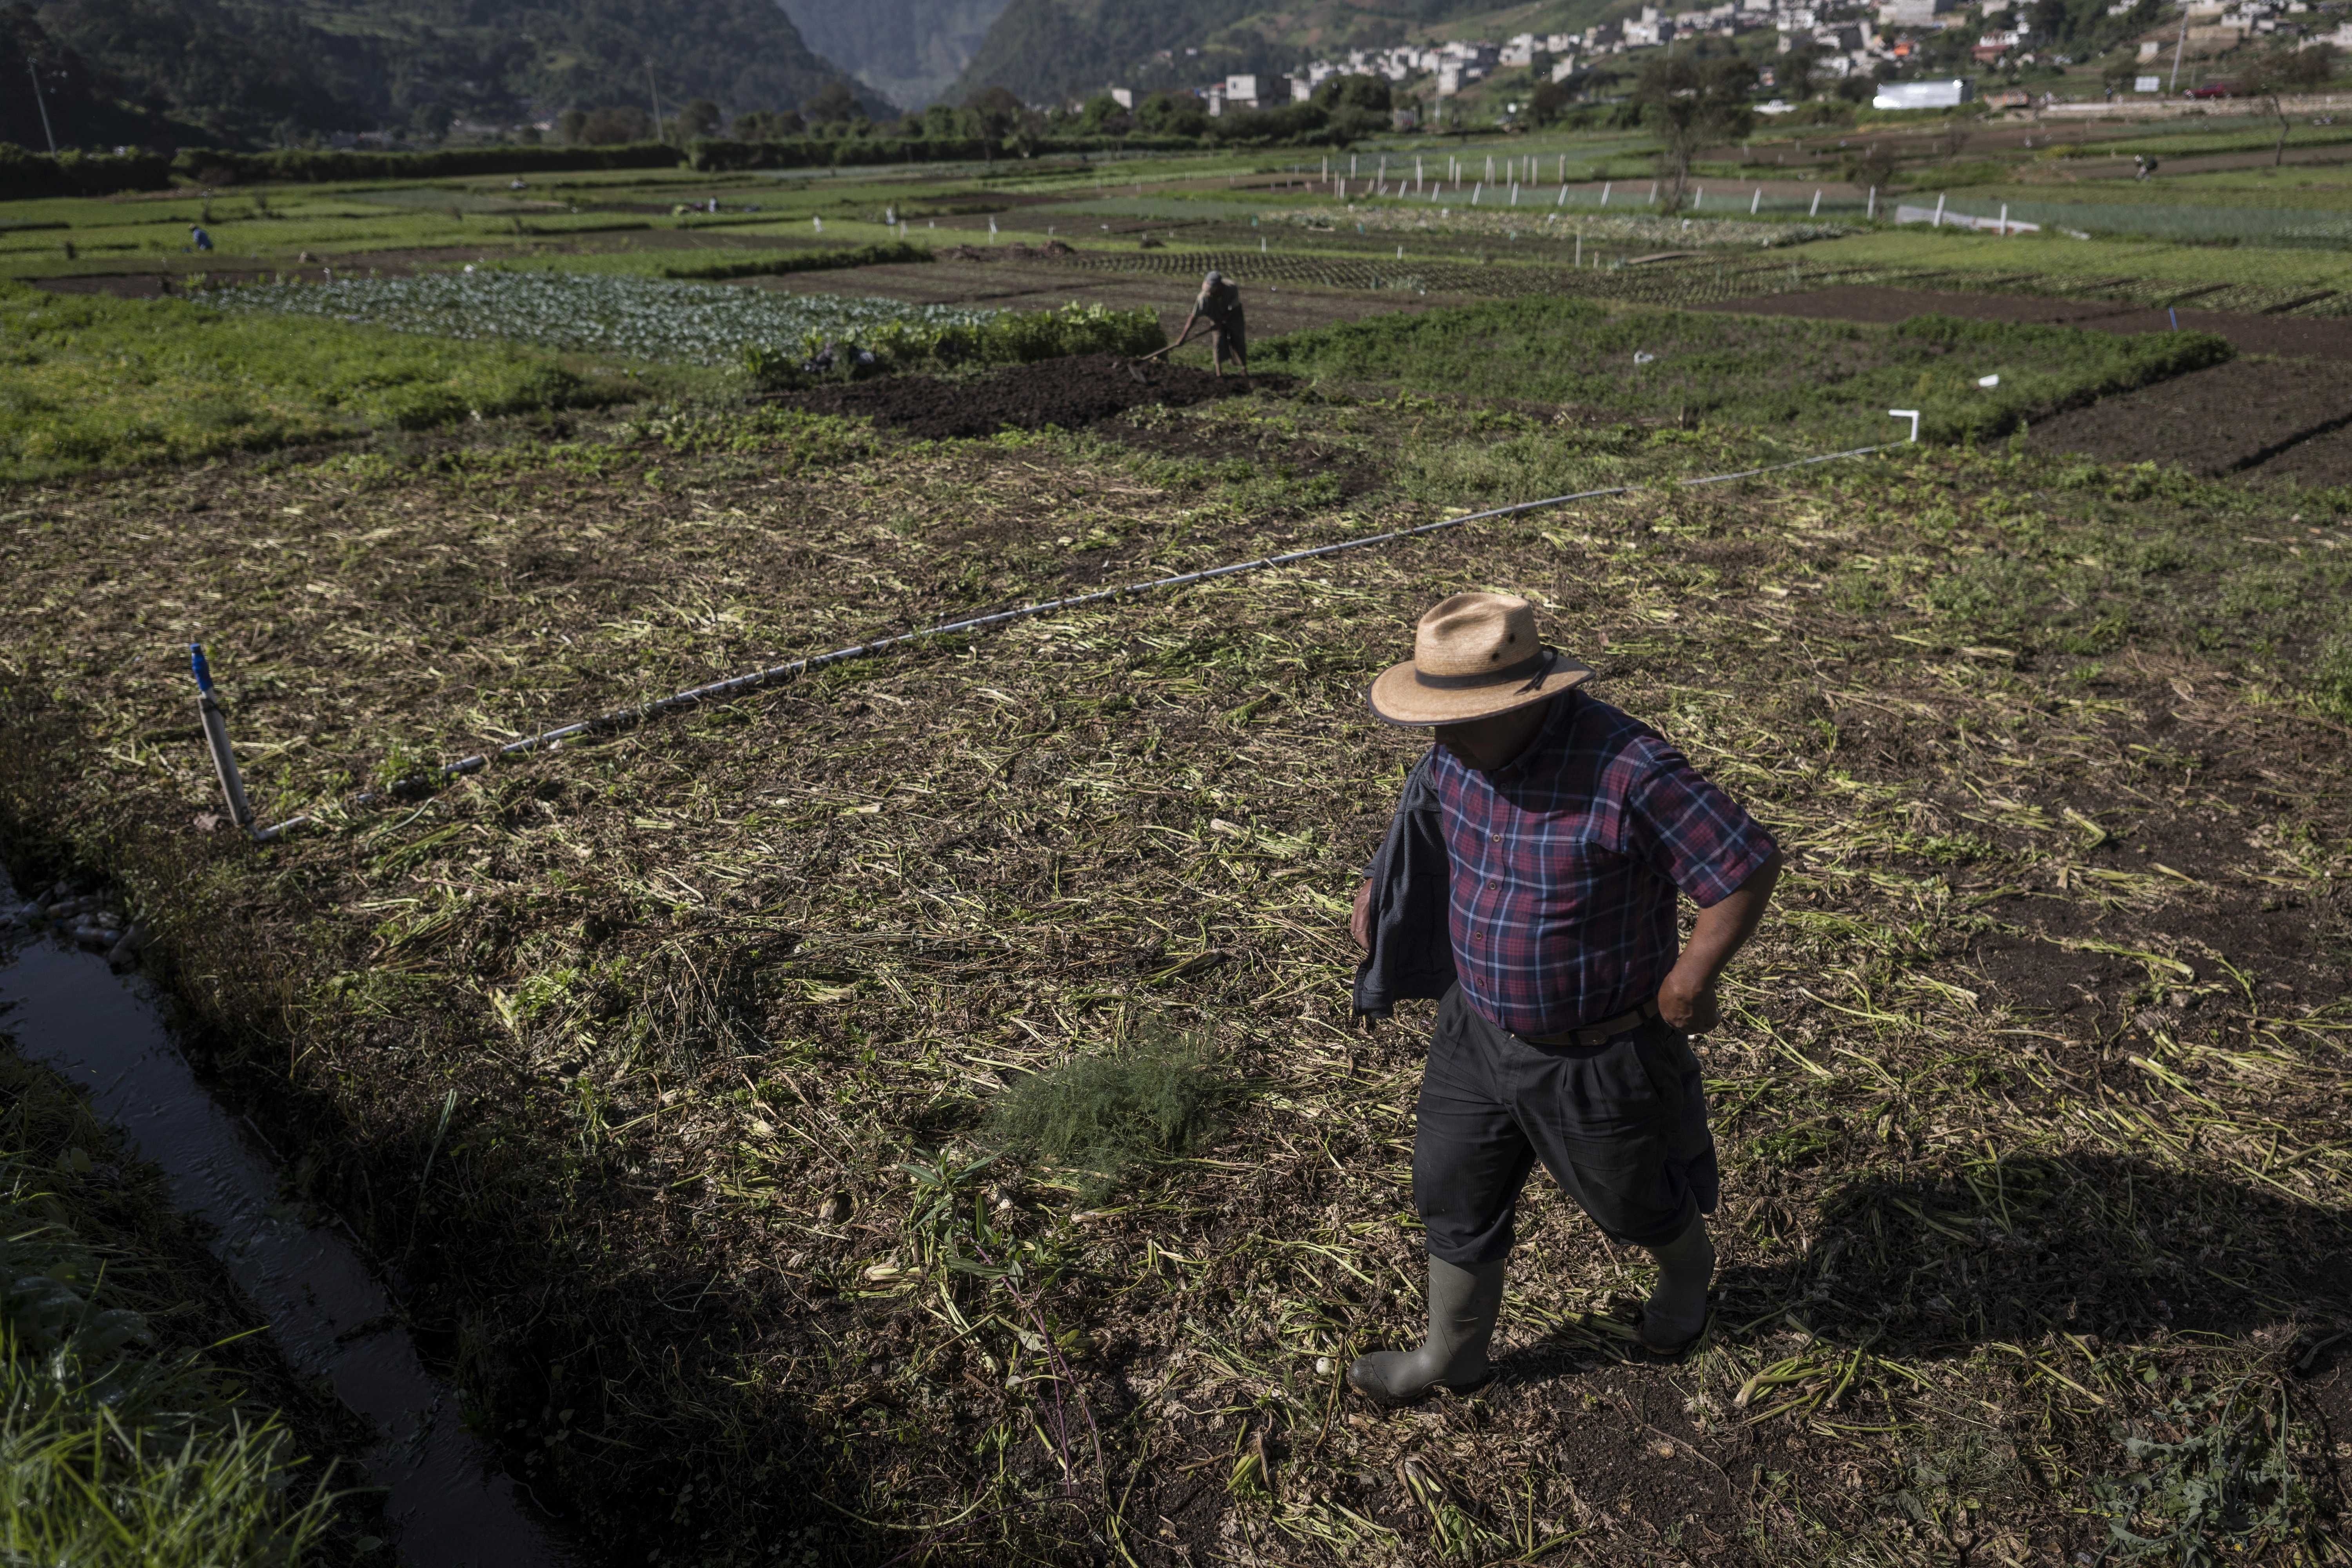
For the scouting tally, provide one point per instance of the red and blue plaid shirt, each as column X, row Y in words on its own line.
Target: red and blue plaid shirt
column 1565, row 864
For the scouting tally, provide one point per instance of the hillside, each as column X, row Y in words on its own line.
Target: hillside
column 909, row 51
column 257, row 72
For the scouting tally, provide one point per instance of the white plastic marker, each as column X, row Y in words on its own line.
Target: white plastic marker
column 1939, row 211
column 1606, row 188
column 1756, row 201
column 1910, row 414
column 1817, row 203
column 1988, row 380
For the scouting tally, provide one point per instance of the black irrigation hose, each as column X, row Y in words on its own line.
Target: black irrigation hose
column 736, row 685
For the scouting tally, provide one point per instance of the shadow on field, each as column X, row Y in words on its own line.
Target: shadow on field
column 2088, row 1244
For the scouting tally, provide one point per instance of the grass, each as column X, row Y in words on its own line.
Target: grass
column 1151, row 1099
column 93, row 381
column 122, row 1444
column 2027, row 1099
column 1831, row 381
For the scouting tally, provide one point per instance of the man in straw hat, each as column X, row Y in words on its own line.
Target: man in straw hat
column 1220, row 305
column 1529, row 880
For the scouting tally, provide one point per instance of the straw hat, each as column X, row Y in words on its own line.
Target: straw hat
column 1475, row 656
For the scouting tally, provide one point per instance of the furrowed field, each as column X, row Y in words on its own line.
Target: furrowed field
column 911, row 1113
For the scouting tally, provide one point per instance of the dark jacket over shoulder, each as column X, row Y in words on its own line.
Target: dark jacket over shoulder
column 1412, row 944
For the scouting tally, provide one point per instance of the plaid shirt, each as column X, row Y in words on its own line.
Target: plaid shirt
column 1566, row 861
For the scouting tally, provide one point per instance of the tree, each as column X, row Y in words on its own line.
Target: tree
column 2284, row 71
column 834, row 105
column 1873, row 168
column 1549, row 102
column 570, row 124
column 770, row 125
column 698, row 120
column 1689, row 106
column 1172, row 114
column 612, row 125
column 995, row 114
column 1794, row 73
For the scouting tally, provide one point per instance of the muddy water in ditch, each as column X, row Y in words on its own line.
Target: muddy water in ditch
column 106, row 1033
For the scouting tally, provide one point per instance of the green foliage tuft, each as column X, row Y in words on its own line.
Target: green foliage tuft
column 1155, row 1098
column 2331, row 675
column 2224, row 1492
column 1006, row 338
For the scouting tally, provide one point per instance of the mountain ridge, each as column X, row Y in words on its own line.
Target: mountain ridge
column 254, row 72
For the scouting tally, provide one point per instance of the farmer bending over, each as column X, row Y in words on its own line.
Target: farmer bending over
column 1528, row 880
column 1220, row 305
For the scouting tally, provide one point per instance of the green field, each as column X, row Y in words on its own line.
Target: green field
column 96, row 382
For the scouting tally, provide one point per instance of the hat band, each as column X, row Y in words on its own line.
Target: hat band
column 1534, row 664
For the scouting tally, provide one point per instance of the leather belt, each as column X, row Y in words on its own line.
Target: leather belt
column 1598, row 1034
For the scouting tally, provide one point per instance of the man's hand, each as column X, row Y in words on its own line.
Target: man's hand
column 1686, row 995
column 1689, row 1004
column 1359, row 924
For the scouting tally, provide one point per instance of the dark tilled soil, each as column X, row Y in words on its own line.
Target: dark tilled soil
column 2295, row 337
column 2322, row 460
column 1070, row 393
column 2219, row 421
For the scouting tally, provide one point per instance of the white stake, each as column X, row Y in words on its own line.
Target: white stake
column 1606, row 188
column 1756, row 201
column 1817, row 203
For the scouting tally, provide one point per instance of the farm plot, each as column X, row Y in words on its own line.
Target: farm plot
column 2217, row 421
column 632, row 318
column 2031, row 1097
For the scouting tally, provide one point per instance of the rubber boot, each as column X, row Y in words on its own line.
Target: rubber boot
column 1675, row 1313
column 1462, row 1306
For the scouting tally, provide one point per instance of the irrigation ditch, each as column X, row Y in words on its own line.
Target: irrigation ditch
column 330, row 1303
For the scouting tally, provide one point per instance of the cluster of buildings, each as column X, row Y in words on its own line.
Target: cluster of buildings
column 1843, row 35
column 1845, row 38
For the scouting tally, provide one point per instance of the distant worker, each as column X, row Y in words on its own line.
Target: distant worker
column 202, row 240
column 1220, row 305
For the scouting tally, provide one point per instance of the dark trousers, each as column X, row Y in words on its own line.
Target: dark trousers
column 1621, row 1127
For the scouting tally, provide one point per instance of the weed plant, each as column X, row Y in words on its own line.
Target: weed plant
column 1154, row 1098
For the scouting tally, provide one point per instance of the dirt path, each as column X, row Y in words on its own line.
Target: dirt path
column 2296, row 337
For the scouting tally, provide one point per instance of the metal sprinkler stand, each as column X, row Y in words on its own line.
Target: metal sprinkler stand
column 215, row 725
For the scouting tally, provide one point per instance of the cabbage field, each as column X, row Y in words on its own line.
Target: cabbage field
column 635, row 317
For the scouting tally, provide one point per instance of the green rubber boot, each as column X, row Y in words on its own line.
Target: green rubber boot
column 1462, row 1306
column 1676, row 1314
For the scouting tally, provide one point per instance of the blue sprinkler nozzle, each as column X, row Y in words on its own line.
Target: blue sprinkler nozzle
column 202, row 672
